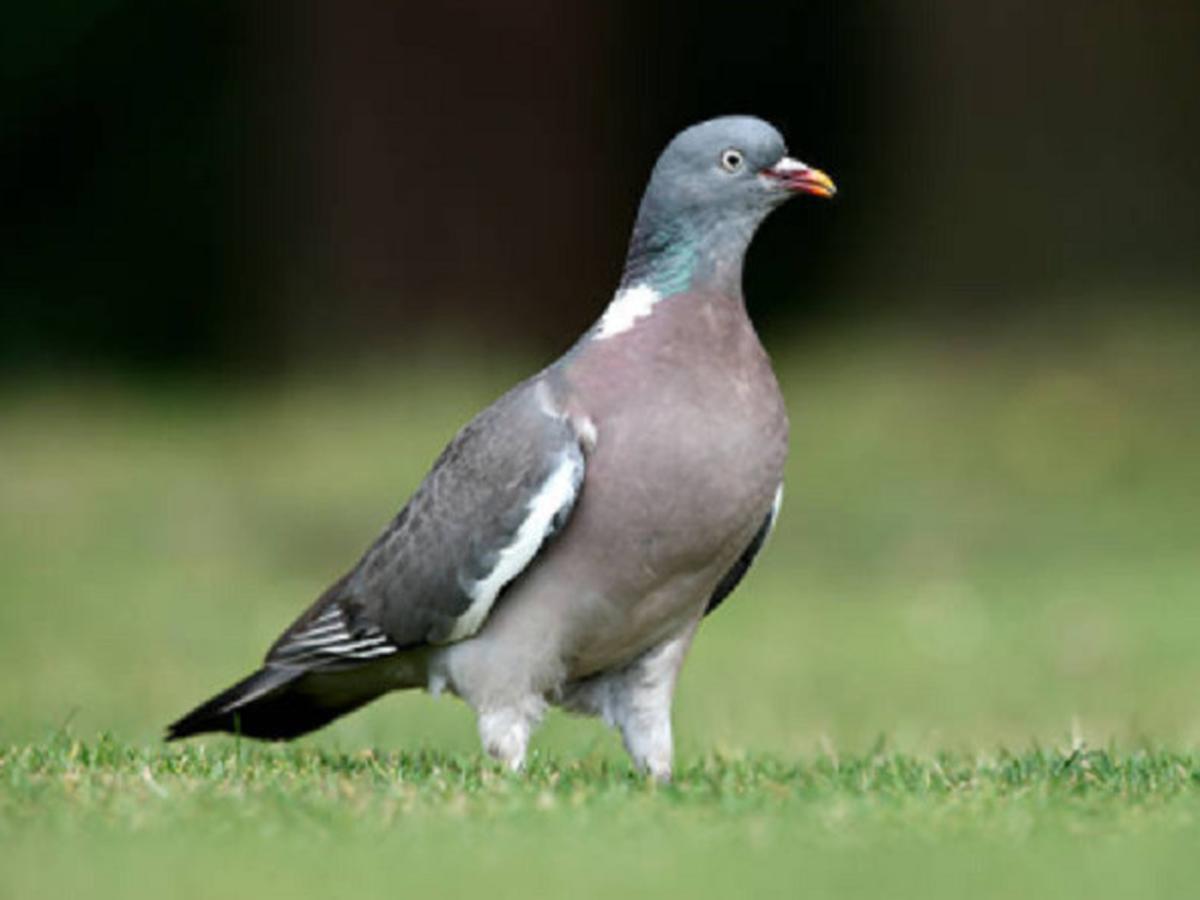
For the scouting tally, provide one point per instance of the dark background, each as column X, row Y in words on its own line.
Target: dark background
column 218, row 185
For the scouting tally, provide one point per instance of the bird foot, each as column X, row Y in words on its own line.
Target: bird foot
column 505, row 734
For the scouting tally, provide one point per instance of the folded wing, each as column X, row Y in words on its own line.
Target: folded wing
column 503, row 488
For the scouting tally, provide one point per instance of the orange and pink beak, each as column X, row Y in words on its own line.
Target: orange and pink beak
column 798, row 178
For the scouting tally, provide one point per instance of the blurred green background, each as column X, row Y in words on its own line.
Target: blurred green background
column 984, row 542
column 261, row 261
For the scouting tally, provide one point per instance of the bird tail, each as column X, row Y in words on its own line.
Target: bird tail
column 278, row 703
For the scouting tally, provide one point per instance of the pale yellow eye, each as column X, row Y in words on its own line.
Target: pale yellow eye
column 732, row 160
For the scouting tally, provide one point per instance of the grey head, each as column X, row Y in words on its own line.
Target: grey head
column 709, row 191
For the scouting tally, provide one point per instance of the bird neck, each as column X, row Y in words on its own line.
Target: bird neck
column 680, row 254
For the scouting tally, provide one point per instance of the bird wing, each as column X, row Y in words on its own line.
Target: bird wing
column 738, row 570
column 499, row 491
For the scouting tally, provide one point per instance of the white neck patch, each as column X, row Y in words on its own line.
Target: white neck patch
column 629, row 305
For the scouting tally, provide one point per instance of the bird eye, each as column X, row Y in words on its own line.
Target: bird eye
column 732, row 160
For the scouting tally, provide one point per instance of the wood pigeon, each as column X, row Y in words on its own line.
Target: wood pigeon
column 567, row 543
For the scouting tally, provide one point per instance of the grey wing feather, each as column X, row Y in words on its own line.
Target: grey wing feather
column 503, row 487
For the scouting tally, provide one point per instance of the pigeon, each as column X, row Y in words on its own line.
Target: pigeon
column 570, row 539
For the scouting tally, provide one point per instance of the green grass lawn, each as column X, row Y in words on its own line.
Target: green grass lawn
column 81, row 819
column 966, row 665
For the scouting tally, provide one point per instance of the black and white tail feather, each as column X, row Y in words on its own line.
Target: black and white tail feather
column 277, row 703
column 317, row 671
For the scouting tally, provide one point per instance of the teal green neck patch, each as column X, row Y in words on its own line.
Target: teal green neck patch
column 674, row 268
column 664, row 258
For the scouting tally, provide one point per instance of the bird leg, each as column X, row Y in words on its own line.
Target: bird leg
column 636, row 699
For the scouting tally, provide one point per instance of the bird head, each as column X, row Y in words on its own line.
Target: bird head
column 734, row 163
column 710, row 189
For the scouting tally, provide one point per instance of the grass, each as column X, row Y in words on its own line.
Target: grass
column 444, row 823
column 109, row 818
column 987, row 555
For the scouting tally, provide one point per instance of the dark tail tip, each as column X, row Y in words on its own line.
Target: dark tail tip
column 236, row 709
column 277, row 703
